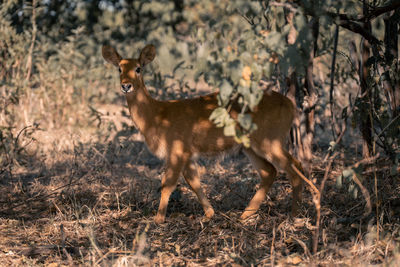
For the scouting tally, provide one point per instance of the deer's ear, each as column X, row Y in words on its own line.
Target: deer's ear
column 111, row 55
column 147, row 55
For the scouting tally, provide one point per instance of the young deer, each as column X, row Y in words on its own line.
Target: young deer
column 178, row 130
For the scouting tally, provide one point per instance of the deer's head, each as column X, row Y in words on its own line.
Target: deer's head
column 130, row 69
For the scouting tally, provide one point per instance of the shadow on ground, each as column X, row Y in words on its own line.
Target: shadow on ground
column 95, row 203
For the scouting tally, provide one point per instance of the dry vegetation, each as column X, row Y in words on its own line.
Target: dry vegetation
column 79, row 187
column 87, row 196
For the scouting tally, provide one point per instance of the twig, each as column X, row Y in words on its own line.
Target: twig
column 303, row 245
column 327, row 170
column 9, row 164
column 317, row 203
column 321, row 190
column 344, row 126
column 64, row 250
column 30, row 53
column 250, row 21
column 238, row 224
column 285, row 5
column 333, row 77
column 265, row 15
column 273, row 247
column 54, row 191
column 104, row 158
column 366, row 195
column 387, row 126
column 377, row 206
column 365, row 160
column 19, row 134
column 111, row 251
column 311, row 184
column 337, row 141
column 380, row 10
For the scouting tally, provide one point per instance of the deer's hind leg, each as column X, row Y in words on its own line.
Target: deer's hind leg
column 192, row 177
column 267, row 174
column 284, row 161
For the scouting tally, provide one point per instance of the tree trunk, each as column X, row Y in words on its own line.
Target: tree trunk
column 311, row 97
column 392, row 86
column 365, row 124
column 303, row 130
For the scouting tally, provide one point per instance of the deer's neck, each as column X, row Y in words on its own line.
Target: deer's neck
column 142, row 108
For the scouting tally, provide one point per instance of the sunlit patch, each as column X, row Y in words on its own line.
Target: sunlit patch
column 220, row 142
column 161, row 149
column 166, row 123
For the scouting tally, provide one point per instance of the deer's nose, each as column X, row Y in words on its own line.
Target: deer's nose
column 126, row 87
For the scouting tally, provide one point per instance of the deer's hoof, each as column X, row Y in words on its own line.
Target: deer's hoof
column 209, row 213
column 159, row 219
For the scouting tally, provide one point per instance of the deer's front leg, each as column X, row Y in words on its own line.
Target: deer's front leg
column 191, row 175
column 168, row 185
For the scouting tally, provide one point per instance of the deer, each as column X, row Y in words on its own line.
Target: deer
column 178, row 131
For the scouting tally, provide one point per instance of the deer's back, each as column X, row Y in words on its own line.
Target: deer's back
column 185, row 123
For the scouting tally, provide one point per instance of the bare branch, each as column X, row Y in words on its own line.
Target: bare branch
column 285, row 5
column 379, row 11
column 374, row 13
column 357, row 28
column 333, row 78
column 367, row 197
column 345, row 22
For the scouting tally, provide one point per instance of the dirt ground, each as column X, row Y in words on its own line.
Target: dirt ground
column 88, row 197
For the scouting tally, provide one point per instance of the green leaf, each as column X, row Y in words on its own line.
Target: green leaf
column 348, row 174
column 225, row 91
column 219, row 116
column 246, row 58
column 243, row 139
column 235, row 70
column 351, row 188
column 255, row 7
column 332, row 145
column 355, row 192
column 229, row 130
column 276, row 42
column 243, row 90
column 245, row 121
column 268, row 69
column 300, row 22
column 256, row 72
column 339, row 181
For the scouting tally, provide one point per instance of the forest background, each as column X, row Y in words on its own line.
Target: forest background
column 78, row 186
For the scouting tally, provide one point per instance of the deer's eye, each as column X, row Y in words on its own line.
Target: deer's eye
column 119, row 69
column 137, row 70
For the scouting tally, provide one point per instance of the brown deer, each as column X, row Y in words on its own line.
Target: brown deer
column 178, row 130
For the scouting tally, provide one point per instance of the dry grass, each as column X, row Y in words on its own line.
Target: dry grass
column 78, row 186
column 87, row 197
